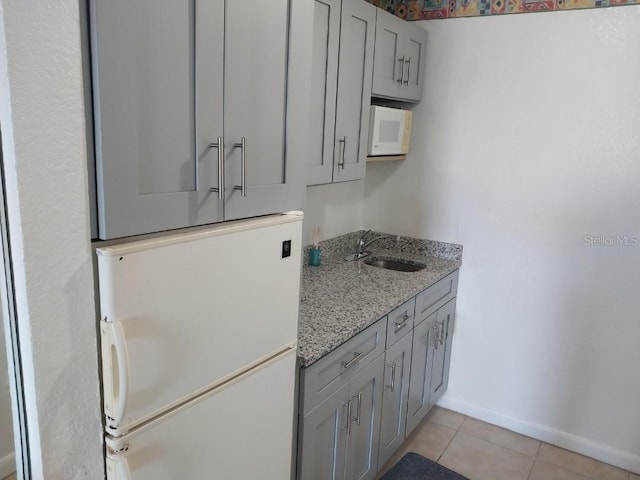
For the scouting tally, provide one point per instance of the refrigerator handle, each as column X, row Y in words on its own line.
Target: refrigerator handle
column 116, row 385
column 118, row 467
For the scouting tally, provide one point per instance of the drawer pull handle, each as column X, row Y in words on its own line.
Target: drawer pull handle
column 402, row 324
column 243, row 166
column 343, row 142
column 359, row 398
column 357, row 356
column 408, row 62
column 348, row 427
column 401, row 61
column 434, row 335
column 441, row 333
column 220, row 188
column 393, row 377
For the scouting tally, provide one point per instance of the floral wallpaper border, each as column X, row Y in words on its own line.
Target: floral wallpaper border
column 430, row 9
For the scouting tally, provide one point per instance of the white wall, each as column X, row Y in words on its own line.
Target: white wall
column 6, row 435
column 335, row 208
column 527, row 140
column 44, row 147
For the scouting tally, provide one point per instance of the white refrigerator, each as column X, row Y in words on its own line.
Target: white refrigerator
column 198, row 343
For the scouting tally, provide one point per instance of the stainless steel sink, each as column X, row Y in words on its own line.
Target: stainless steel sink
column 397, row 264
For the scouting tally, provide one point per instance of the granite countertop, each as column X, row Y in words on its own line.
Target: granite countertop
column 340, row 299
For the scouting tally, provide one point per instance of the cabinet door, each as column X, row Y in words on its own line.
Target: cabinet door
column 326, row 37
column 357, row 40
column 394, row 399
column 324, row 438
column 154, row 166
column 421, row 366
column 389, row 60
column 415, row 43
column 260, row 177
column 442, row 355
column 366, row 401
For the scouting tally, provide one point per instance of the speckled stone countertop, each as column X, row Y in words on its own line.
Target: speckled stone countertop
column 340, row 299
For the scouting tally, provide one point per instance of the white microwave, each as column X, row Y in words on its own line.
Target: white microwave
column 389, row 131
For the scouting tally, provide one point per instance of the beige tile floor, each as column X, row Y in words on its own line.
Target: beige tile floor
column 481, row 451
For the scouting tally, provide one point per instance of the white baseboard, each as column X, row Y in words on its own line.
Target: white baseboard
column 7, row 465
column 569, row 441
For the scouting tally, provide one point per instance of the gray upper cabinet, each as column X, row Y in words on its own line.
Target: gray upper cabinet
column 255, row 110
column 326, row 40
column 152, row 174
column 399, row 59
column 355, row 70
column 170, row 78
column 343, row 49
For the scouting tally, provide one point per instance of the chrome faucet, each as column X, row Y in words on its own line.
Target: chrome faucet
column 361, row 245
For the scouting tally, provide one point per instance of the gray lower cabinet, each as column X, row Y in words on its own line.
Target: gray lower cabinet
column 339, row 437
column 360, row 402
column 394, row 398
column 421, row 365
column 443, row 336
column 366, row 401
column 198, row 106
column 342, row 66
column 430, row 361
column 399, row 59
column 323, row 441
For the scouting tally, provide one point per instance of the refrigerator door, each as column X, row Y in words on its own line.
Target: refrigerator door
column 183, row 313
column 239, row 431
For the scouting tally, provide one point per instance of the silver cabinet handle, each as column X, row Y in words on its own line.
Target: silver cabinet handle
column 343, row 141
column 434, row 331
column 401, row 62
column 441, row 333
column 220, row 146
column 359, row 398
column 400, row 325
column 348, row 426
column 243, row 166
column 393, row 377
column 356, row 358
column 408, row 62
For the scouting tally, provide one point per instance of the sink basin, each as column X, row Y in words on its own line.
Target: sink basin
column 397, row 264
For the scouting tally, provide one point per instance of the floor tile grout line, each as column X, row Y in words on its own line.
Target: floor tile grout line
column 540, row 442
column 502, row 446
column 535, row 459
column 445, row 448
column 533, row 464
column 431, row 420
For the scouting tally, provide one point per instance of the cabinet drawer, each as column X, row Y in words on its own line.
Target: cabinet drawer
column 323, row 377
column 436, row 296
column 400, row 321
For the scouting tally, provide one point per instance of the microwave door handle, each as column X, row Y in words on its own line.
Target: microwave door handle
column 401, row 62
